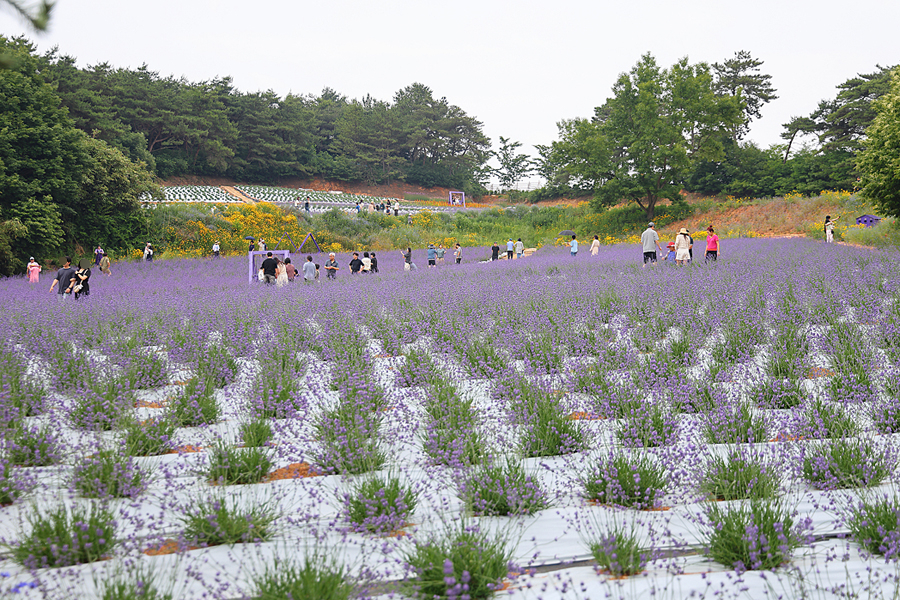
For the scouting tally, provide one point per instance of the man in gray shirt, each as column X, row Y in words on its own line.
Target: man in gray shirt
column 650, row 243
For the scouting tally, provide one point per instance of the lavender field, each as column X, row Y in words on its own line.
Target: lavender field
column 544, row 428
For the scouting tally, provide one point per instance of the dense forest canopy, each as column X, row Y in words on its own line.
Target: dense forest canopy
column 179, row 127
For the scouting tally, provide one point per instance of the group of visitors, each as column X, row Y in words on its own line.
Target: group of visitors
column 382, row 207
column 274, row 271
column 367, row 264
column 517, row 248
column 71, row 282
column 681, row 251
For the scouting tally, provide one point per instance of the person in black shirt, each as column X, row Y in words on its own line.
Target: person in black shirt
column 374, row 262
column 355, row 264
column 270, row 269
column 80, row 282
column 495, row 252
column 63, row 279
column 306, row 206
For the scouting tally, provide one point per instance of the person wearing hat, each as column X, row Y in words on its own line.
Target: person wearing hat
column 670, row 257
column 682, row 247
column 216, row 249
column 650, row 244
column 34, row 271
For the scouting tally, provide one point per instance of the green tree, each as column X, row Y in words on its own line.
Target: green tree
column 740, row 77
column 879, row 162
column 513, row 166
column 658, row 123
column 43, row 235
column 38, row 17
column 842, row 122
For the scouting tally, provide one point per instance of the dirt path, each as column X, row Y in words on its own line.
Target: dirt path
column 238, row 194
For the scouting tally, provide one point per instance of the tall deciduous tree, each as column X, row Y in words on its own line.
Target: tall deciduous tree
column 879, row 162
column 657, row 123
column 513, row 165
column 741, row 77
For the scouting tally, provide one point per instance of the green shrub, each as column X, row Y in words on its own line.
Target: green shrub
column 648, row 426
column 313, row 579
column 33, row 447
column 152, row 437
column 637, row 482
column 739, row 477
column 256, row 433
column 824, row 420
column 237, row 466
column 619, row 553
column 845, row 463
column 756, row 535
column 875, row 525
column 379, row 504
column 60, row 538
column 215, row 364
column 462, row 563
column 145, row 369
column 24, row 398
column 220, row 521
column 8, row 489
column 503, row 490
column 777, row 394
column 141, row 585
column 102, row 406
column 700, row 400
column 736, row 423
column 108, row 475
column 195, row 405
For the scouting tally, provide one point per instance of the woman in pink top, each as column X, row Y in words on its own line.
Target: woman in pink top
column 34, row 270
column 712, row 245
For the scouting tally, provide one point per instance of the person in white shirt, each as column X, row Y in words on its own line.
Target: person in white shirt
column 683, row 247
column 216, row 250
column 309, row 269
column 520, row 248
column 650, row 244
column 595, row 246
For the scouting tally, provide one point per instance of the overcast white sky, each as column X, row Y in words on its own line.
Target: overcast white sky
column 519, row 67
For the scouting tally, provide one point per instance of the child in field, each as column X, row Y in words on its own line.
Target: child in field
column 670, row 257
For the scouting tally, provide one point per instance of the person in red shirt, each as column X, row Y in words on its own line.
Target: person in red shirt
column 712, row 244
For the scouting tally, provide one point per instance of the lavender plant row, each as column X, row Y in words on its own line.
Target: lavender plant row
column 549, row 427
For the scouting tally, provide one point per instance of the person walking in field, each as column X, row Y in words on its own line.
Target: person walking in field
column 309, row 269
column 98, row 254
column 712, row 245
column 306, row 206
column 495, row 252
column 650, row 244
column 573, row 247
column 355, row 264
column 366, row 263
column 374, row 262
column 595, row 246
column 63, row 279
column 829, row 230
column 457, row 253
column 682, row 247
column 440, row 254
column 510, row 246
column 216, row 249
column 520, row 248
column 34, row 271
column 104, row 265
column 432, row 256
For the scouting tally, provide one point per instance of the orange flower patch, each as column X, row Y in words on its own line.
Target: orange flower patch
column 580, row 415
column 169, row 546
column 817, row 372
column 187, row 448
column 293, row 471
